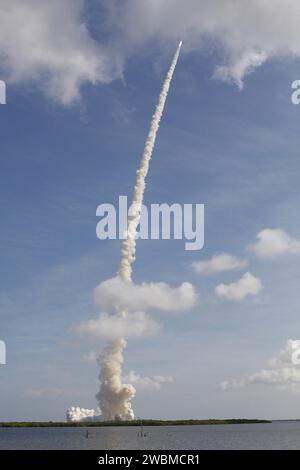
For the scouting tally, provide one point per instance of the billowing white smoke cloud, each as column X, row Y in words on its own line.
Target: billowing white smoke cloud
column 283, row 371
column 248, row 285
column 124, row 295
column 134, row 299
column 110, row 326
column 139, row 382
column 218, row 264
column 75, row 413
column 114, row 396
column 147, row 383
column 274, row 242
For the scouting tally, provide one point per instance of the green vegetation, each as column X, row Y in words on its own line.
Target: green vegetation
column 140, row 422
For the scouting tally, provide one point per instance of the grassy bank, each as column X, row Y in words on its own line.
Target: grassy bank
column 143, row 422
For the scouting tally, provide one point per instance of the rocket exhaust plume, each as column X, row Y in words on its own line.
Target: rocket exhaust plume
column 114, row 397
column 129, row 244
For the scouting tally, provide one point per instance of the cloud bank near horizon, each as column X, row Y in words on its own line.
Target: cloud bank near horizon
column 283, row 371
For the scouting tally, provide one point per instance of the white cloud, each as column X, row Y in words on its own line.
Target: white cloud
column 218, row 264
column 274, row 242
column 133, row 325
column 248, row 285
column 147, row 383
column 237, row 70
column 247, row 33
column 48, row 44
column 283, row 371
column 117, row 294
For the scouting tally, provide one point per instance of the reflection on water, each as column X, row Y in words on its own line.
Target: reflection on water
column 276, row 435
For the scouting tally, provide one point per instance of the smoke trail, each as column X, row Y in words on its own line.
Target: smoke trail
column 114, row 397
column 129, row 244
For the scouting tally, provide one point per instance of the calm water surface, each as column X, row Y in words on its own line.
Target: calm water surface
column 276, row 435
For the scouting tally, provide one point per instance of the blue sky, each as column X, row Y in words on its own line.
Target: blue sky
column 235, row 151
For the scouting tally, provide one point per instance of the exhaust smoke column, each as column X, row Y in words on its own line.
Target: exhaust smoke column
column 114, row 397
column 129, row 244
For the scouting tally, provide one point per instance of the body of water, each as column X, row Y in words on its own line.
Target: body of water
column 276, row 435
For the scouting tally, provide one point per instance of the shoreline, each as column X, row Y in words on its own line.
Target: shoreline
column 140, row 422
